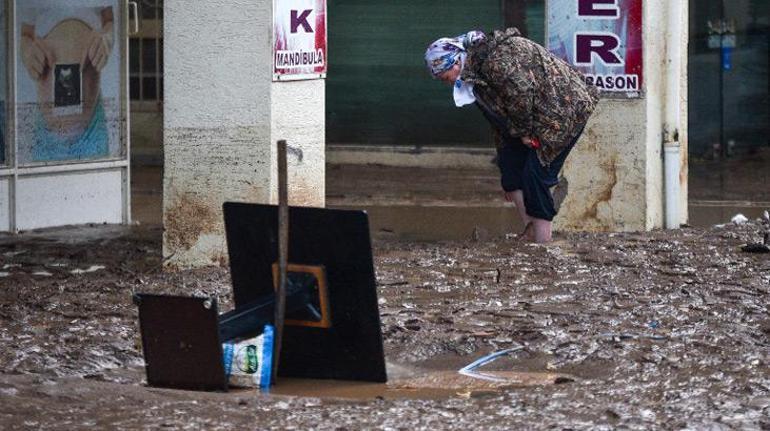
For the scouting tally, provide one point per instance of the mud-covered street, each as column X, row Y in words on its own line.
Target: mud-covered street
column 666, row 330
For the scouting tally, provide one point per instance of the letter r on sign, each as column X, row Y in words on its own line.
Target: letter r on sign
column 604, row 45
column 298, row 19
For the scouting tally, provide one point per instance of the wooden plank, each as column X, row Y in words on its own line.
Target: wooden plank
column 283, row 252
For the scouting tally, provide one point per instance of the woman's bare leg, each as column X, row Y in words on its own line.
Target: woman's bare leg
column 518, row 199
column 541, row 230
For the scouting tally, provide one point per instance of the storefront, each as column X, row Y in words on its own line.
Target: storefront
column 64, row 146
column 729, row 78
column 64, row 153
column 379, row 93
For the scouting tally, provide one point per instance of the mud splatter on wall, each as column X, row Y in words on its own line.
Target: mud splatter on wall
column 221, row 122
column 606, row 172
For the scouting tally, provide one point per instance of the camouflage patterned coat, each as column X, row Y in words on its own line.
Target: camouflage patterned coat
column 539, row 94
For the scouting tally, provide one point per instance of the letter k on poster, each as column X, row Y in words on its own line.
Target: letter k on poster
column 299, row 34
column 602, row 39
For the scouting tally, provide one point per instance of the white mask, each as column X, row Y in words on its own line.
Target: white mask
column 463, row 93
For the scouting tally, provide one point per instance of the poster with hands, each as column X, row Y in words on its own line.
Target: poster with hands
column 68, row 78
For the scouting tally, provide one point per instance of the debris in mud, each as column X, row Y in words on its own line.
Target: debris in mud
column 494, row 381
column 471, row 370
column 627, row 336
column 764, row 246
column 90, row 269
column 739, row 219
column 664, row 329
column 756, row 248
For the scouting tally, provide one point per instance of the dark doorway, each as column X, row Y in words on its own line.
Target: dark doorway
column 729, row 103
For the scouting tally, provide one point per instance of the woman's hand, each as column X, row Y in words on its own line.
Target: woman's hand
column 531, row 142
column 508, row 196
column 37, row 58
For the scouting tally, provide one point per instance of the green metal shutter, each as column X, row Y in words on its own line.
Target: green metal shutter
column 378, row 89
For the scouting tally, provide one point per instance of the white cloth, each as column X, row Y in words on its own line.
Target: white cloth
column 463, row 93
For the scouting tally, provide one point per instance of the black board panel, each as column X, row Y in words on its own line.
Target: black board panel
column 339, row 241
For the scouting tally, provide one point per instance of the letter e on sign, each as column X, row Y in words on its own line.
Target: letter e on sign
column 599, row 9
column 604, row 45
column 300, row 19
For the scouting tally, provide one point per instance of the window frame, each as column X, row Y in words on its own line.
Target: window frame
column 149, row 29
column 7, row 157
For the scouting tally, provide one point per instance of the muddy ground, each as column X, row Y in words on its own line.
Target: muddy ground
column 665, row 330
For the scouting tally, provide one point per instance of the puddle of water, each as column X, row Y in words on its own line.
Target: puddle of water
column 483, row 381
column 435, row 223
column 413, row 383
column 354, row 390
column 434, row 385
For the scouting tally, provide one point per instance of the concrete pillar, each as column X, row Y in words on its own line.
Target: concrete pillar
column 223, row 114
column 615, row 174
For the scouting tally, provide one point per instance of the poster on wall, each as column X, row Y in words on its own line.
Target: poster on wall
column 3, row 81
column 68, row 80
column 299, row 34
column 602, row 39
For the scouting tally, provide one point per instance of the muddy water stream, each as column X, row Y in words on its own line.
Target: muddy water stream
column 431, row 223
column 634, row 331
column 430, row 385
column 459, row 223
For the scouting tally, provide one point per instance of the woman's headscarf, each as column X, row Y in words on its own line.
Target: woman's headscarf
column 444, row 53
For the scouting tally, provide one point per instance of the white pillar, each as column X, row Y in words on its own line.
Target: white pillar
column 222, row 116
column 616, row 171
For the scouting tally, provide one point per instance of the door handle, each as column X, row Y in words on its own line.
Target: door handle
column 134, row 10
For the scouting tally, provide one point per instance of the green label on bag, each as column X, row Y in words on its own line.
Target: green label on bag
column 249, row 360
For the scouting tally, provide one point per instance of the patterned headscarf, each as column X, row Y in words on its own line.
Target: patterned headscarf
column 444, row 53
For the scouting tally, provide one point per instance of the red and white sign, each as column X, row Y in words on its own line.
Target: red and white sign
column 299, row 32
column 603, row 39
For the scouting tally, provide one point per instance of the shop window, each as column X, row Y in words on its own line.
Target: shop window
column 151, row 9
column 146, row 69
column 146, row 58
column 3, row 83
column 68, row 110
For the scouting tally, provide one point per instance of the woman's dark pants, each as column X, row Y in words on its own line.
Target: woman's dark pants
column 521, row 170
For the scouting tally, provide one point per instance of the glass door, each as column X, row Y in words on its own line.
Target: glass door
column 729, row 100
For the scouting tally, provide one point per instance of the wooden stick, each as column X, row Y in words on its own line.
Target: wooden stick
column 283, row 252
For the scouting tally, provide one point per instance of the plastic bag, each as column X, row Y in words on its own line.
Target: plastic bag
column 249, row 362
